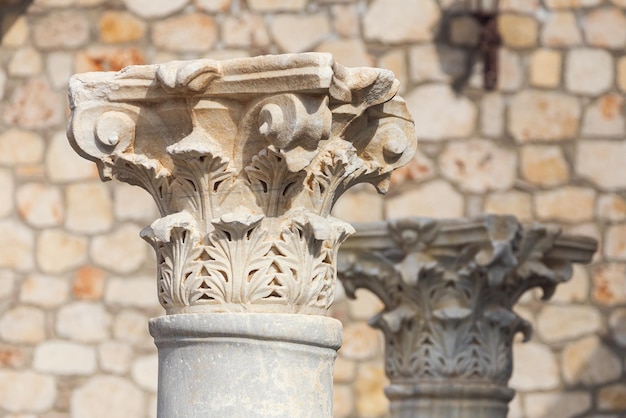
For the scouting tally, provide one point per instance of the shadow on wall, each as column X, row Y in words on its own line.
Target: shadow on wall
column 10, row 10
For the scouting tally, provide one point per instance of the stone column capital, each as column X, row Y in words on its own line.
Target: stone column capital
column 449, row 287
column 245, row 159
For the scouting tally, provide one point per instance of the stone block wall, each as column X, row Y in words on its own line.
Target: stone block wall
column 548, row 145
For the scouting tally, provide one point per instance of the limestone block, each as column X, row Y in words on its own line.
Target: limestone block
column 295, row 33
column 511, row 70
column 26, row 62
column 18, row 146
column 399, row 21
column 154, row 9
column 346, row 20
column 40, row 205
column 440, row 114
column 361, row 342
column 185, row 33
column 350, row 207
column 464, row 30
column 435, row 198
column 615, row 242
column 84, row 322
column 548, row 116
column 64, row 358
column 16, row 246
column 369, row 384
column 115, row 357
column 144, row 371
column 107, row 58
column 609, row 284
column 89, row 208
column 59, row 251
column 120, row 251
column 605, row 28
column 351, row 52
column 343, row 401
column 560, row 323
column 545, row 68
column 556, row 405
column 63, row 165
column 88, row 283
column 600, row 160
column 478, row 165
column 576, row 290
column 561, row 30
column 34, row 105
column 17, row 32
column 603, row 117
column 131, row 326
column 93, row 399
column 26, row 391
column 571, row 4
column 589, row 361
column 612, row 398
column 245, row 30
column 570, row 204
column 492, row 115
column 518, row 31
column 535, row 368
column 518, row 204
column 419, row 169
column 23, row 324
column 589, row 71
column 6, row 192
column 66, row 29
column 44, row 291
column 617, row 325
column 611, row 207
column 544, row 165
column 621, row 73
column 276, row 5
column 119, row 26
column 136, row 292
column 213, row 6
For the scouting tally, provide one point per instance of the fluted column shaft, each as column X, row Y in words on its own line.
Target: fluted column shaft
column 449, row 287
column 245, row 159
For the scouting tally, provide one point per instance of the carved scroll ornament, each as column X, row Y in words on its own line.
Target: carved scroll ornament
column 245, row 159
column 449, row 287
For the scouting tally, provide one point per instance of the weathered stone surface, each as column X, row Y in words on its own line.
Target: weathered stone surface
column 120, row 251
column 344, row 370
column 544, row 165
column 534, row 368
column 439, row 114
column 130, row 203
column 59, row 251
column 609, row 286
column 518, row 204
column 617, row 325
column 343, row 401
column 115, row 357
column 44, row 291
column 621, row 73
column 548, row 116
column 34, row 105
column 26, row 62
column 576, row 290
column 517, row 31
column 118, row 26
column 611, row 207
column 361, row 342
column 589, row 361
column 492, row 115
column 612, row 398
column 396, row 61
column 61, row 30
column 436, row 199
column 570, row 204
column 88, row 283
column 605, row 28
column 135, row 292
column 6, row 192
column 556, row 405
column 26, row 391
column 349, row 207
column 17, row 32
column 16, row 246
column 99, row 58
column 23, row 324
column 152, row 9
column 351, row 52
column 560, row 30
column 604, row 117
column 93, row 399
column 419, row 169
column 64, row 165
column 245, row 30
column 84, row 322
column 370, row 399
column 615, row 242
column 560, row 323
column 293, row 33
column 64, row 358
column 598, row 161
column 214, row 5
column 59, row 68
column 132, row 326
column 18, row 146
column 478, row 165
column 276, row 5
column 589, row 71
column 511, row 74
column 397, row 21
column 346, row 20
column 186, row 33
column 430, row 63
column 365, row 306
column 545, row 68
column 40, row 205
column 144, row 372
column 89, row 208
